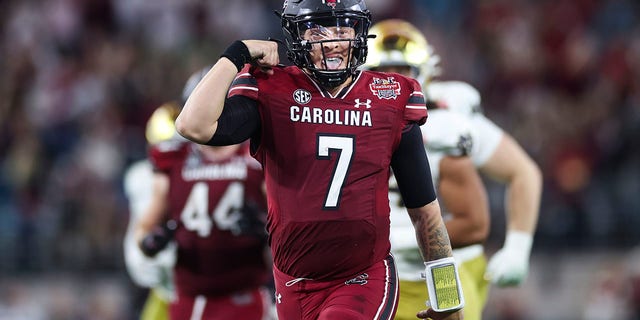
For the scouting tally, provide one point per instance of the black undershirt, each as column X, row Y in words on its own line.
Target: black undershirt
column 411, row 169
column 239, row 121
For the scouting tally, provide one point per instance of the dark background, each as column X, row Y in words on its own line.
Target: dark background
column 80, row 77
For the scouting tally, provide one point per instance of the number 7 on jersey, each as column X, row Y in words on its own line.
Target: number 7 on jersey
column 345, row 146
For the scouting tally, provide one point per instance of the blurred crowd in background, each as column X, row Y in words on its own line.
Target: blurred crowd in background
column 80, row 77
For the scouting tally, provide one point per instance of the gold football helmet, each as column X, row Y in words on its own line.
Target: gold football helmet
column 399, row 43
column 161, row 125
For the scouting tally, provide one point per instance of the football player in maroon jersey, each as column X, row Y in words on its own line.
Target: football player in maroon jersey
column 211, row 202
column 327, row 135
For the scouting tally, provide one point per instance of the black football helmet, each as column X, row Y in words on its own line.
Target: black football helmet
column 299, row 16
column 192, row 82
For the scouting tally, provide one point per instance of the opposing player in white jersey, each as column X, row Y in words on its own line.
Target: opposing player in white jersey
column 154, row 273
column 400, row 47
column 463, row 197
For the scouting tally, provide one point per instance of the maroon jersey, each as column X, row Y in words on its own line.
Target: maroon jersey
column 206, row 198
column 326, row 161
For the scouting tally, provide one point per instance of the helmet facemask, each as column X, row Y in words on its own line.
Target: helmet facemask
column 329, row 45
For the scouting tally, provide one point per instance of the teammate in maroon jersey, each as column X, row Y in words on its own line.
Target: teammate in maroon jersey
column 213, row 202
column 326, row 136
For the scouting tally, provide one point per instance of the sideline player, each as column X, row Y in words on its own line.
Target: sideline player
column 327, row 135
column 400, row 47
column 210, row 202
column 463, row 196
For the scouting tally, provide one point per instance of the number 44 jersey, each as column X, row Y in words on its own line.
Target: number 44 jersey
column 326, row 161
column 216, row 196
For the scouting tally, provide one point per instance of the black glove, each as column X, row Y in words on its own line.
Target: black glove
column 158, row 239
column 252, row 222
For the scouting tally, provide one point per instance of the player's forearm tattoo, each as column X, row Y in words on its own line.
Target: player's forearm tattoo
column 439, row 243
column 432, row 237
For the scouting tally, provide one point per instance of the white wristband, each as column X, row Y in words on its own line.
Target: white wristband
column 443, row 285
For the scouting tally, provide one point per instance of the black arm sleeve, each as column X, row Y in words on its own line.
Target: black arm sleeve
column 239, row 121
column 411, row 169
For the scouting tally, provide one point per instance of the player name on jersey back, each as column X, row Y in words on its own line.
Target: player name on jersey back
column 225, row 171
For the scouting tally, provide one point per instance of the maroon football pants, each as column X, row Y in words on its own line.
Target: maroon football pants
column 254, row 304
column 372, row 294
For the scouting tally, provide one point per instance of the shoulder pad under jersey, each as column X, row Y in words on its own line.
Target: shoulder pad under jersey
column 165, row 154
column 447, row 132
column 171, row 144
column 456, row 96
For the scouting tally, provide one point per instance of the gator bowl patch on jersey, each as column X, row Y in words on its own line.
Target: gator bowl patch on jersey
column 387, row 88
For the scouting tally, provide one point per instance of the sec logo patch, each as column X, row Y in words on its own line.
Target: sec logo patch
column 302, row 96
